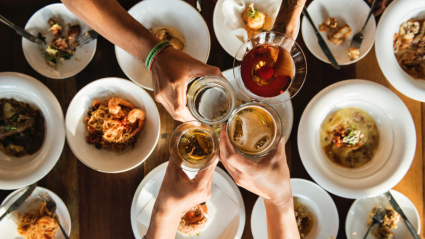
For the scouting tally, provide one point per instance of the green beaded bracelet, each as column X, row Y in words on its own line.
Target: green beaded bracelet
column 154, row 52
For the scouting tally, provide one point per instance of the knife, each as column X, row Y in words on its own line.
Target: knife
column 22, row 32
column 322, row 42
column 397, row 208
column 198, row 5
column 19, row 201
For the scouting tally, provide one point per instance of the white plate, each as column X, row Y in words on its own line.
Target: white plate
column 358, row 215
column 103, row 160
column 155, row 177
column 395, row 151
column 316, row 200
column 9, row 228
column 34, row 56
column 229, row 41
column 174, row 13
column 284, row 110
column 21, row 172
column 351, row 12
column 389, row 24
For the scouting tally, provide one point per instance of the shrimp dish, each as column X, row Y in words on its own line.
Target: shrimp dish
column 38, row 224
column 62, row 47
column 114, row 124
column 409, row 48
column 256, row 21
column 193, row 220
column 303, row 217
column 350, row 137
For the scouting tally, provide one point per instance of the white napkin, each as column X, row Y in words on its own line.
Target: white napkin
column 221, row 211
column 232, row 10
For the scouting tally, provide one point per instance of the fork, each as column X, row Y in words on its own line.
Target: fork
column 87, row 37
column 51, row 205
column 377, row 218
column 358, row 38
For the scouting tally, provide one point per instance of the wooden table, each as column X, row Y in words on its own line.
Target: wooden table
column 99, row 203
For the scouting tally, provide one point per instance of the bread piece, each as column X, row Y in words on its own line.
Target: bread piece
column 339, row 34
column 328, row 25
column 353, row 53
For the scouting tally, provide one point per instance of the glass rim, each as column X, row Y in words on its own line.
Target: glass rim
column 210, row 161
column 264, row 98
column 267, row 151
column 191, row 105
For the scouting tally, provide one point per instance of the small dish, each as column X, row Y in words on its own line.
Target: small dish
column 166, row 13
column 228, row 40
column 389, row 24
column 151, row 184
column 351, row 12
column 8, row 226
column 284, row 110
column 395, row 151
column 315, row 199
column 38, row 23
column 358, row 215
column 103, row 160
column 17, row 173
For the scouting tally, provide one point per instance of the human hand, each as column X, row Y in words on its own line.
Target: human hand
column 268, row 178
column 179, row 193
column 171, row 72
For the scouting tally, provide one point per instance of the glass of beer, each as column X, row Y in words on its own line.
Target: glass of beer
column 270, row 67
column 254, row 129
column 194, row 146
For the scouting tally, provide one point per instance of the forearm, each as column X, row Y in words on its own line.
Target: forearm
column 164, row 222
column 112, row 21
column 281, row 222
column 288, row 17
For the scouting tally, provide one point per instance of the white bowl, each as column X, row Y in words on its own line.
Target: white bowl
column 174, row 13
column 103, row 160
column 358, row 215
column 151, row 184
column 8, row 227
column 351, row 12
column 38, row 23
column 23, row 171
column 395, row 151
column 389, row 24
column 228, row 40
column 284, row 110
column 315, row 199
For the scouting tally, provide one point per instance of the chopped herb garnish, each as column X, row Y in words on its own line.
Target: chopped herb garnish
column 8, row 127
column 353, row 137
column 56, row 25
column 252, row 12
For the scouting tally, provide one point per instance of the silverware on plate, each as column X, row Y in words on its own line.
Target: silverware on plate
column 19, row 201
column 322, row 42
column 22, row 32
column 51, row 205
column 397, row 208
column 87, row 37
column 358, row 38
column 377, row 218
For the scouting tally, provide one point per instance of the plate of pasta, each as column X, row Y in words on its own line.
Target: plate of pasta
column 112, row 125
column 33, row 220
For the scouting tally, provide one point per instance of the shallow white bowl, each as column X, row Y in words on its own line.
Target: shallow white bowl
column 229, row 41
column 351, row 12
column 20, row 172
column 103, row 160
column 284, row 110
column 389, row 24
column 38, row 23
column 221, row 178
column 315, row 199
column 358, row 215
column 397, row 139
column 174, row 13
column 8, row 227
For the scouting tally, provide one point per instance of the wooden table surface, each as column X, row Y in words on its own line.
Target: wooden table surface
column 99, row 203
